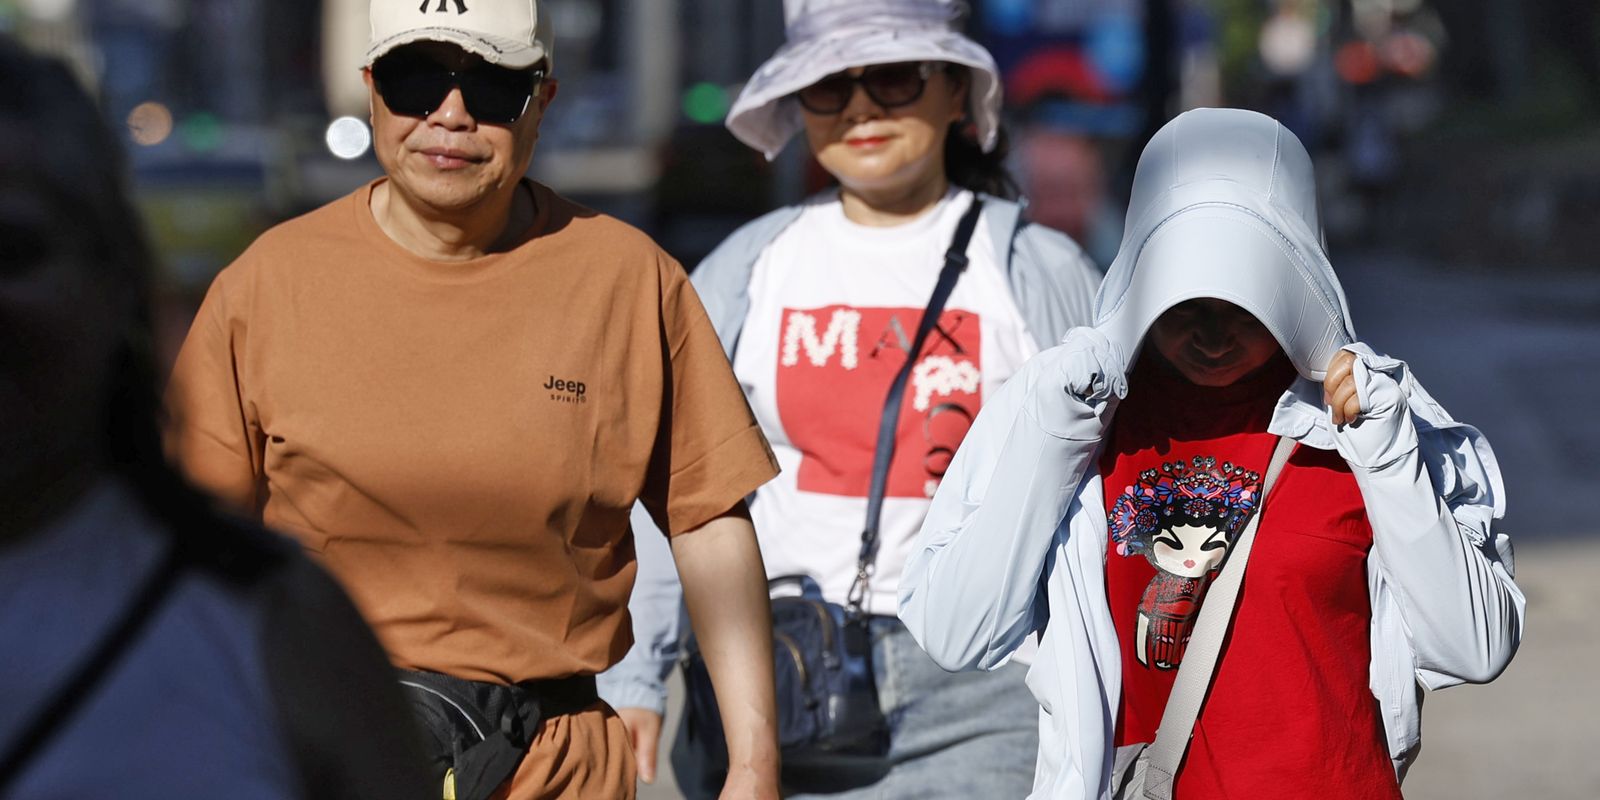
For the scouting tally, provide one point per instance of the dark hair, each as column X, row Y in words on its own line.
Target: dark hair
column 966, row 164
column 80, row 165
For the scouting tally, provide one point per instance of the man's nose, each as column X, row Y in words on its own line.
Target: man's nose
column 452, row 112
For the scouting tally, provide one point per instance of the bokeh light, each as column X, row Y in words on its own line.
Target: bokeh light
column 705, row 103
column 201, row 132
column 150, row 123
column 348, row 138
column 49, row 10
column 1288, row 44
column 1357, row 62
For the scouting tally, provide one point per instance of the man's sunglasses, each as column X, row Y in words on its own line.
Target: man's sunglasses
column 888, row 85
column 414, row 86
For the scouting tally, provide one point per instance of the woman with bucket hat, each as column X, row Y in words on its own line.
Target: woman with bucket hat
column 819, row 305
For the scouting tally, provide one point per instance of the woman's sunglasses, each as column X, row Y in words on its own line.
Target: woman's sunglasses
column 415, row 86
column 888, row 85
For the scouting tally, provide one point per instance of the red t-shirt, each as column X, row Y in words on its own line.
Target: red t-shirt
column 1290, row 713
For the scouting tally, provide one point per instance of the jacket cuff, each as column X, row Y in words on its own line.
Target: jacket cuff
column 1385, row 434
column 632, row 692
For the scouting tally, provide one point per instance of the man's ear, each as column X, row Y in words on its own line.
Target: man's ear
column 547, row 93
column 372, row 111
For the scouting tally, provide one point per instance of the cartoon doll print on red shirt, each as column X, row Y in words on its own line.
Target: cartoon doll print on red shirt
column 1183, row 518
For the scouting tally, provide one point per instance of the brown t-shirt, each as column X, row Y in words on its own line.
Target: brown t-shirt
column 460, row 443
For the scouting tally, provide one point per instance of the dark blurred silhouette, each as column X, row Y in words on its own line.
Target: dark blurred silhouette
column 151, row 644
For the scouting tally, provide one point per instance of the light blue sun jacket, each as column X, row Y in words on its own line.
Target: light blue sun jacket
column 1015, row 541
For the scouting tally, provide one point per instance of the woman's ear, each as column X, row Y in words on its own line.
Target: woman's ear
column 960, row 89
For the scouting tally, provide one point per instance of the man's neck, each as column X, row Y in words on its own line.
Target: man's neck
column 490, row 227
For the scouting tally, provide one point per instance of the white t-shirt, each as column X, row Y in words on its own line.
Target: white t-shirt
column 833, row 307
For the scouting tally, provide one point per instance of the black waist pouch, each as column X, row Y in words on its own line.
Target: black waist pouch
column 476, row 733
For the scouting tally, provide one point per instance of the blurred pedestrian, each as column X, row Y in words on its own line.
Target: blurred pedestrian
column 818, row 305
column 452, row 385
column 1113, row 505
column 1064, row 175
column 152, row 647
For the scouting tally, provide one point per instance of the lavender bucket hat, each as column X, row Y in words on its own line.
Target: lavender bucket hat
column 828, row 36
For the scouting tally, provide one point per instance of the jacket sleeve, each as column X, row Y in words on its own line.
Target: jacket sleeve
column 723, row 277
column 969, row 589
column 1433, row 498
column 1054, row 282
column 639, row 679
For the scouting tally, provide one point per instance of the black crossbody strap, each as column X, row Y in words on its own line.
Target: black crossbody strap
column 52, row 716
column 955, row 262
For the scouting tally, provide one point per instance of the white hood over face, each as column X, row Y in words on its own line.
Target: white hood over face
column 1224, row 206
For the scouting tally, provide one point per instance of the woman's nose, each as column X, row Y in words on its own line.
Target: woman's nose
column 1212, row 339
column 861, row 105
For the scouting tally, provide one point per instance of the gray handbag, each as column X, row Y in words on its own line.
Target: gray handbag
column 1147, row 771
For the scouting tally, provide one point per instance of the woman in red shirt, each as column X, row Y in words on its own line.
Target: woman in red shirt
column 1097, row 499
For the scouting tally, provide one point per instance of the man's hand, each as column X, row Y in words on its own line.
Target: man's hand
column 644, row 733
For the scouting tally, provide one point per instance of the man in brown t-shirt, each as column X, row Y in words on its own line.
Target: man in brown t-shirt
column 453, row 384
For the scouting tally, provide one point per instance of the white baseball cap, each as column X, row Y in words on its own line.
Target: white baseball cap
column 508, row 33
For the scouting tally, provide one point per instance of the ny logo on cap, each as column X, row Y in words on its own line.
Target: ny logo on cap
column 461, row 6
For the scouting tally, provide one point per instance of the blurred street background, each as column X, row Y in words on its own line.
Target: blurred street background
column 1458, row 150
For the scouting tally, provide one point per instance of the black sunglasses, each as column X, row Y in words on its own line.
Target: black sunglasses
column 888, row 85
column 415, row 86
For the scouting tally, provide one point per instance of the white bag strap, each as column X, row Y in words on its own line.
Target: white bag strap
column 1205, row 645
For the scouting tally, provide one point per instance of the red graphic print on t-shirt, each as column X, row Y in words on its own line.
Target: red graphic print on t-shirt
column 835, row 366
column 1184, row 518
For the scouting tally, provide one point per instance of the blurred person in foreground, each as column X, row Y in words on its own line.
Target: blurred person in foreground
column 152, row 647
column 452, row 385
column 1097, row 499
column 816, row 304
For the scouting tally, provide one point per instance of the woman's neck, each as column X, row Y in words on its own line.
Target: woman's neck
column 882, row 207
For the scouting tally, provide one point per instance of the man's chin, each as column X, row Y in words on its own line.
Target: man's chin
column 447, row 192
